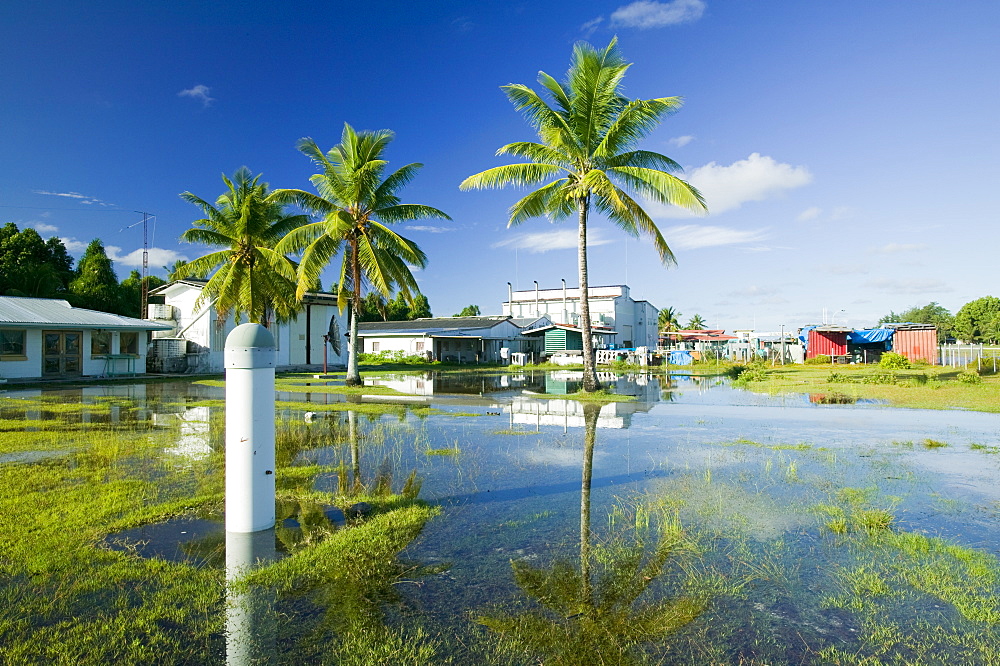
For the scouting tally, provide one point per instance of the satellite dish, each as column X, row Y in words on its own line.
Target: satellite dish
column 334, row 335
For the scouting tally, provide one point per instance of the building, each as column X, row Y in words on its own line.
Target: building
column 45, row 338
column 563, row 338
column 611, row 307
column 453, row 339
column 707, row 342
column 196, row 338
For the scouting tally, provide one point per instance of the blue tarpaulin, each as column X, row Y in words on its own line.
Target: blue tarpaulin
column 870, row 336
column 680, row 357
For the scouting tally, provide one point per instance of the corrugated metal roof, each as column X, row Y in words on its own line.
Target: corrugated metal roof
column 56, row 313
column 430, row 325
column 309, row 298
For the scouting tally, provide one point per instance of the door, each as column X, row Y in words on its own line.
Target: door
column 62, row 353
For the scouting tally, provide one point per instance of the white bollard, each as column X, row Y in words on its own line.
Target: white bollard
column 249, row 359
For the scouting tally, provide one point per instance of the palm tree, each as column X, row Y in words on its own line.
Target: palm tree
column 357, row 204
column 253, row 279
column 696, row 323
column 669, row 319
column 588, row 137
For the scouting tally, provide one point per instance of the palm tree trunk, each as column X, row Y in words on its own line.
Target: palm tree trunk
column 353, row 377
column 590, row 382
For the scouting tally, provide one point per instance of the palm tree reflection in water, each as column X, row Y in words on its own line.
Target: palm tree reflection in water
column 590, row 614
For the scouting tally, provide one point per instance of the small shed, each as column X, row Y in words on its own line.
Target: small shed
column 917, row 342
column 564, row 337
column 827, row 339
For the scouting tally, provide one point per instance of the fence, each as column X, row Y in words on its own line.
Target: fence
column 961, row 355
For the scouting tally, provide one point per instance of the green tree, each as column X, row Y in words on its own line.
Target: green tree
column 131, row 293
column 248, row 276
column 398, row 309
column 373, row 308
column 358, row 203
column 469, row 311
column 588, row 153
column 696, row 323
column 979, row 320
column 30, row 266
column 932, row 313
column 95, row 286
column 420, row 308
column 668, row 319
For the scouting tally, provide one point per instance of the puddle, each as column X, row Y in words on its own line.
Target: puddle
column 699, row 523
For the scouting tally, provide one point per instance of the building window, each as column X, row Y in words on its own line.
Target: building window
column 420, row 345
column 374, row 346
column 128, row 342
column 100, row 343
column 11, row 343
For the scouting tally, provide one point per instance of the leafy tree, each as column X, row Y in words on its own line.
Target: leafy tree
column 588, row 135
column 246, row 222
column 398, row 309
column 469, row 311
column 131, row 293
column 30, row 266
column 696, row 323
column 979, row 320
column 357, row 203
column 932, row 313
column 95, row 286
column 420, row 308
column 373, row 308
column 668, row 319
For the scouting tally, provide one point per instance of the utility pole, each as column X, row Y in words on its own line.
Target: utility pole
column 144, row 288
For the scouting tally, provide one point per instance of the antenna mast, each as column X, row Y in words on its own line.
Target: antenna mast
column 145, row 267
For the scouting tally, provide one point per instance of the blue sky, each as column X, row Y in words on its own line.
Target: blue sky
column 848, row 151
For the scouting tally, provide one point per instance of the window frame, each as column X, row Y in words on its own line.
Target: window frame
column 121, row 342
column 100, row 335
column 4, row 341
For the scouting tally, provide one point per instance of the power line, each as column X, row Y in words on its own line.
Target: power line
column 84, row 210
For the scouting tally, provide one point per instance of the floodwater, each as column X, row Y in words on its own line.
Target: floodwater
column 695, row 524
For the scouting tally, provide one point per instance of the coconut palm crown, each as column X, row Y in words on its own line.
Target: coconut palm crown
column 587, row 156
column 252, row 278
column 357, row 204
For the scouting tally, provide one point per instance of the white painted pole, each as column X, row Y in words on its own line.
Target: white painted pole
column 249, row 360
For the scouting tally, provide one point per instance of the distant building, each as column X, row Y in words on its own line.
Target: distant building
column 45, row 338
column 195, row 339
column 454, row 339
column 611, row 307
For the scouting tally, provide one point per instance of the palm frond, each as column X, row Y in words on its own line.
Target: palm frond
column 550, row 200
column 510, row 174
column 662, row 187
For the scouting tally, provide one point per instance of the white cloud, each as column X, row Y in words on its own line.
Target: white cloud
column 198, row 92
column 845, row 269
column 893, row 286
column 681, row 141
column 157, row 256
column 73, row 246
column 43, row 228
column 563, row 239
column 809, row 214
column 590, row 26
column 428, row 228
column 694, row 236
column 649, row 14
column 756, row 178
column 82, row 198
column 754, row 291
column 897, row 248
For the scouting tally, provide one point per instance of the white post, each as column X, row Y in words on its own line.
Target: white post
column 249, row 360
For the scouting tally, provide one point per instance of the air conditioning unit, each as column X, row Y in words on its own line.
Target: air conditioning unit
column 159, row 311
column 169, row 347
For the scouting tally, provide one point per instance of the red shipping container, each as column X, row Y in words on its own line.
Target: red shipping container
column 916, row 344
column 831, row 343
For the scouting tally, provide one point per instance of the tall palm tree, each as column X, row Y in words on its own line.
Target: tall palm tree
column 696, row 323
column 588, row 134
column 357, row 205
column 669, row 319
column 253, row 279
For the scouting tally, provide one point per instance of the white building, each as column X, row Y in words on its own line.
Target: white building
column 46, row 338
column 611, row 306
column 196, row 339
column 455, row 339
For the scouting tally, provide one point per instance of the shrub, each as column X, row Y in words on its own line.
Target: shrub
column 894, row 361
column 391, row 356
column 819, row 359
column 749, row 372
column 969, row 377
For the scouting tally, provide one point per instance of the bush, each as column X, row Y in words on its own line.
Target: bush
column 969, row 377
column 819, row 359
column 391, row 356
column 894, row 361
column 750, row 372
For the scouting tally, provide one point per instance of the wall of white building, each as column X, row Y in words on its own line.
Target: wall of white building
column 635, row 321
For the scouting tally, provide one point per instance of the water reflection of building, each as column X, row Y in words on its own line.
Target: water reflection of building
column 540, row 410
column 194, row 436
column 431, row 383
